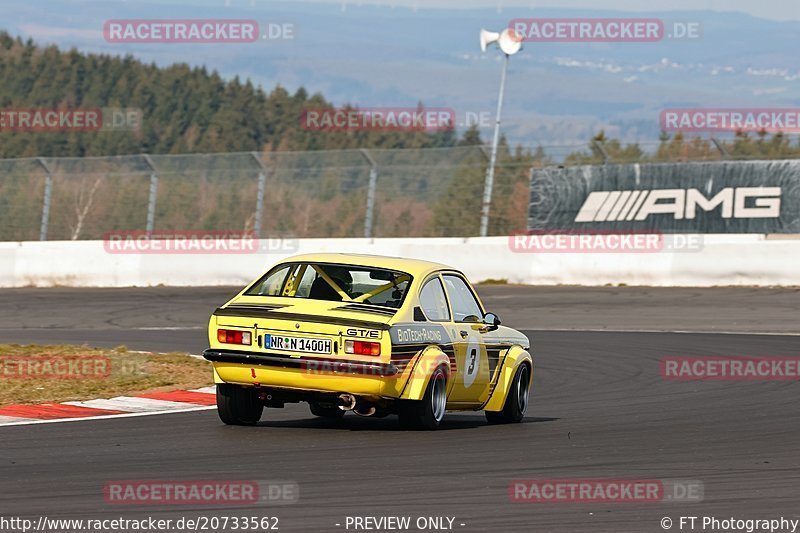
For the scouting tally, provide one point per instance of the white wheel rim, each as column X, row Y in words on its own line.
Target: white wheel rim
column 523, row 388
column 438, row 396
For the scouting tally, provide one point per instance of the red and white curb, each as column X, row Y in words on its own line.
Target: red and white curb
column 153, row 403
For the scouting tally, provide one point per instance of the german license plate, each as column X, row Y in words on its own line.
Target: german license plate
column 296, row 344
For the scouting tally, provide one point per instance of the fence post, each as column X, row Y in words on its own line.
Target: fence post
column 373, row 182
column 262, row 185
column 48, row 193
column 529, row 203
column 151, row 202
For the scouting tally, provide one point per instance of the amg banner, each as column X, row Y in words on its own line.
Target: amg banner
column 715, row 197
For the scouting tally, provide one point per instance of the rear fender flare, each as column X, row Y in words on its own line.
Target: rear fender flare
column 428, row 361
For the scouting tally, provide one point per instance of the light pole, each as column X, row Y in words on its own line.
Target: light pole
column 509, row 44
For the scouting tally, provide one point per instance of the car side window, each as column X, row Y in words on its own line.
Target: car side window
column 272, row 284
column 305, row 283
column 465, row 306
column 433, row 301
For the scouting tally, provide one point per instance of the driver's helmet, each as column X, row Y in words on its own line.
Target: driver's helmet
column 342, row 277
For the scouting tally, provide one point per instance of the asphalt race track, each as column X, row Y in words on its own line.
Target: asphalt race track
column 600, row 409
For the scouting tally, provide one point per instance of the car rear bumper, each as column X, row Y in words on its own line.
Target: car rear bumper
column 311, row 374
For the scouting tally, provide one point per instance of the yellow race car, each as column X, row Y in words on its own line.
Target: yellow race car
column 368, row 334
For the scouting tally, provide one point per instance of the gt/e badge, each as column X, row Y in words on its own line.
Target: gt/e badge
column 364, row 333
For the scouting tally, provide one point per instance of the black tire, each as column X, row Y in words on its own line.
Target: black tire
column 325, row 411
column 238, row 406
column 517, row 400
column 428, row 412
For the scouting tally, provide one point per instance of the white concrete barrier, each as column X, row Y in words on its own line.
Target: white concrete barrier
column 752, row 260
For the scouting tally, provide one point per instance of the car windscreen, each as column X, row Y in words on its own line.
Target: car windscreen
column 334, row 282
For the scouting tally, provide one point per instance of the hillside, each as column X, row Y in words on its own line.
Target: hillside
column 183, row 109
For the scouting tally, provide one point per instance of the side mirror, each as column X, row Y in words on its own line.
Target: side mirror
column 492, row 321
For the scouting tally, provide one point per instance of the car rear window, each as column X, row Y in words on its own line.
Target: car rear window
column 336, row 283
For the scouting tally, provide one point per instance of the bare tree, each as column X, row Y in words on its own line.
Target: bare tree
column 83, row 202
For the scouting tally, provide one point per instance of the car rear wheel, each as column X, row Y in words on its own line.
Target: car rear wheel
column 325, row 411
column 238, row 406
column 428, row 412
column 517, row 400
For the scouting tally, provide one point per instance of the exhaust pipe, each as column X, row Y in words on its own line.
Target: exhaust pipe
column 364, row 409
column 347, row 402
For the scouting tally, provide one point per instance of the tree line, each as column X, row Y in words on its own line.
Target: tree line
column 184, row 109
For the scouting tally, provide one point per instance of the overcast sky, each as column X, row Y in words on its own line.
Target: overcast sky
column 771, row 9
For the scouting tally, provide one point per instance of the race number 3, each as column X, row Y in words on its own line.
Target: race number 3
column 472, row 362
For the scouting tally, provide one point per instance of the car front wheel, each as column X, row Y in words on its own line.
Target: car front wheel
column 517, row 400
column 238, row 406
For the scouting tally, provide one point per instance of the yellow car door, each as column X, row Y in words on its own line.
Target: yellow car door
column 471, row 381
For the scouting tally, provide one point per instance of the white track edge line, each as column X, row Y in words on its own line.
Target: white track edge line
column 106, row 417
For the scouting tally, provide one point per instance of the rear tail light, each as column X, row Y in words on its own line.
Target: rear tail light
column 230, row 336
column 362, row 347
